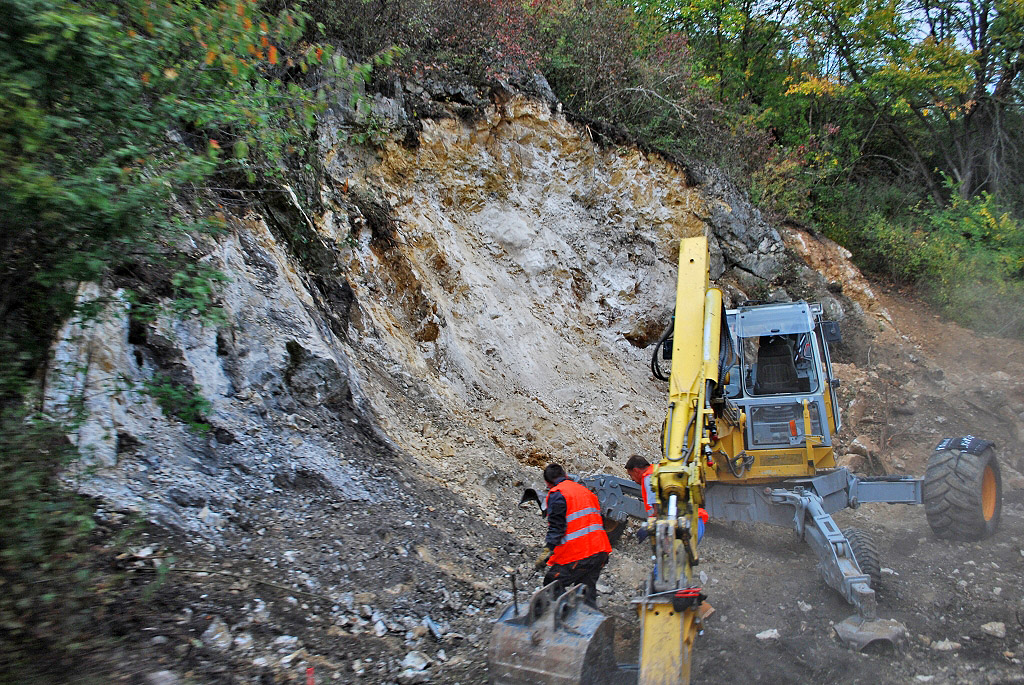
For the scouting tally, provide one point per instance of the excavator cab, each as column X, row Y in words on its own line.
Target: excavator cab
column 779, row 380
column 781, row 360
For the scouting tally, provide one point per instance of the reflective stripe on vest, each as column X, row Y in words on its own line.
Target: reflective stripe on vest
column 580, row 533
column 584, row 528
column 581, row 512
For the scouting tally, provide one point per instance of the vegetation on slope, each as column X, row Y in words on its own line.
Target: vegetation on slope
column 115, row 119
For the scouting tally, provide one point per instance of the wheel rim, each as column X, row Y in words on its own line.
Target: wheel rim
column 988, row 493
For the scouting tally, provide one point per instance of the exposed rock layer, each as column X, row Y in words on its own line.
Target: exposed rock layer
column 485, row 305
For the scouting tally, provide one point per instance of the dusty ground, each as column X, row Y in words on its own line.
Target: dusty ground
column 303, row 580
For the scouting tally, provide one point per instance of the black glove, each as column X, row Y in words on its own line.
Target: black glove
column 542, row 559
column 642, row 534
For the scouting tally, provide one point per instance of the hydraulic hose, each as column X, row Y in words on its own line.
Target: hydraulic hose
column 655, row 366
column 687, row 450
column 727, row 351
column 737, row 473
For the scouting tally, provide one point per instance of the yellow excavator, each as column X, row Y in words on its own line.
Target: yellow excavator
column 748, row 436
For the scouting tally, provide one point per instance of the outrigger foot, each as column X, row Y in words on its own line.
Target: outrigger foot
column 858, row 632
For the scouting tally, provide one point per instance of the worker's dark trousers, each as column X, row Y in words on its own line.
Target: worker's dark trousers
column 584, row 571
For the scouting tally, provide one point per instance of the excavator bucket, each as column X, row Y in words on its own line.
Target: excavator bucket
column 555, row 641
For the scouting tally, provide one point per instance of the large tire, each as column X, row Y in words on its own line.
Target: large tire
column 615, row 529
column 866, row 554
column 963, row 494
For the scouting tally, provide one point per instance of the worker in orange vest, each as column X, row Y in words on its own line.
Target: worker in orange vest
column 576, row 548
column 640, row 473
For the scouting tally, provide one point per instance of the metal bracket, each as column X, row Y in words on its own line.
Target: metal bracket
column 539, row 603
column 620, row 498
column 565, row 604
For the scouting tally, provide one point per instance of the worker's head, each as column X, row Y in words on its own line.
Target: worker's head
column 552, row 473
column 635, row 467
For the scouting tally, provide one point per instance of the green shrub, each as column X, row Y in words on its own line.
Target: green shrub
column 181, row 401
column 46, row 565
column 982, row 282
column 966, row 258
column 120, row 120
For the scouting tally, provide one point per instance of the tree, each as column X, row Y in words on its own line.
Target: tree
column 625, row 64
column 940, row 76
column 742, row 47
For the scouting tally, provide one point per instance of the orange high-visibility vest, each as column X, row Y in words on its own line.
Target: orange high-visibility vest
column 645, row 485
column 584, row 527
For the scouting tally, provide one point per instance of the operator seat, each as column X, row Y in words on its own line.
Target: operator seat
column 776, row 371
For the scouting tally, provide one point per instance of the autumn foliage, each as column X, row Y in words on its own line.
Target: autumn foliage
column 114, row 119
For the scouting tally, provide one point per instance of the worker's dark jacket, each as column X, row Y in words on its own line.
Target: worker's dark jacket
column 575, row 528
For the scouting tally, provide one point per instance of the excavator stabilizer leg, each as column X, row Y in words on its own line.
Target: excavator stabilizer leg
column 841, row 570
column 858, row 632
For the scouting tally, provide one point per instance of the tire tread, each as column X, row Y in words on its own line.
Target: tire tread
column 952, row 494
column 865, row 551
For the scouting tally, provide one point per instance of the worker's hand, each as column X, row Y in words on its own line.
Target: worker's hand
column 542, row 559
column 642, row 534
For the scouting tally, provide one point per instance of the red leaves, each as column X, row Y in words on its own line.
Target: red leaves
column 497, row 36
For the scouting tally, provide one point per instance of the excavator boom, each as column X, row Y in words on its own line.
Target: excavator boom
column 669, row 620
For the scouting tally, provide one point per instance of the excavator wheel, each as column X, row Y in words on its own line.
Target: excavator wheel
column 963, row 494
column 866, row 554
column 615, row 529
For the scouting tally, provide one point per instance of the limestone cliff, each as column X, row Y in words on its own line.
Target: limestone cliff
column 489, row 296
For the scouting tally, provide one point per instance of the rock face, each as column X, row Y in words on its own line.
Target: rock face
column 485, row 305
